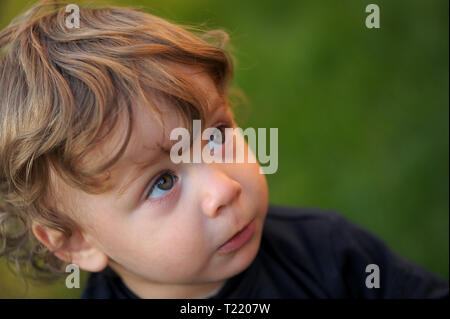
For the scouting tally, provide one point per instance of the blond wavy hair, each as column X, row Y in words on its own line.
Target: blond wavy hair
column 61, row 91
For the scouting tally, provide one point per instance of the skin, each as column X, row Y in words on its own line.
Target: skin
column 165, row 246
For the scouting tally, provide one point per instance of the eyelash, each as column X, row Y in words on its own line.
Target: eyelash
column 168, row 195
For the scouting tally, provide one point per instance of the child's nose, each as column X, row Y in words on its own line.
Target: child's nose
column 218, row 190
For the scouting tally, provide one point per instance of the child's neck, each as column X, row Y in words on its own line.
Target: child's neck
column 152, row 290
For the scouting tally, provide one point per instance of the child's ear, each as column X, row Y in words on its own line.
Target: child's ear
column 75, row 250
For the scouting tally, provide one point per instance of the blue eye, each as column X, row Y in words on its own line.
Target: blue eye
column 217, row 139
column 163, row 184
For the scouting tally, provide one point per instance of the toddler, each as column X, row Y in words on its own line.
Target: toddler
column 86, row 175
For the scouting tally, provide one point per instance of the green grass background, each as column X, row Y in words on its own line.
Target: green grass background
column 362, row 113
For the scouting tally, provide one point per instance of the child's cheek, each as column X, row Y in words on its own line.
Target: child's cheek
column 178, row 245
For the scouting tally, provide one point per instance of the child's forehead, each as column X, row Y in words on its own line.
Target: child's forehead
column 149, row 134
column 151, row 137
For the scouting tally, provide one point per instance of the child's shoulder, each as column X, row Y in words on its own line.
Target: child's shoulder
column 283, row 221
column 278, row 212
column 323, row 235
column 302, row 230
column 327, row 249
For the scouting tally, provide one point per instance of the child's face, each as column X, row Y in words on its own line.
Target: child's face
column 172, row 235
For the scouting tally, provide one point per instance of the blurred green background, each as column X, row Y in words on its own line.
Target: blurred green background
column 362, row 113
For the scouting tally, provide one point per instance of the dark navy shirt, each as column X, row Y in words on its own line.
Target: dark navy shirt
column 310, row 253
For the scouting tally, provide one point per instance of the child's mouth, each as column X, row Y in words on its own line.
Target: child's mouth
column 239, row 239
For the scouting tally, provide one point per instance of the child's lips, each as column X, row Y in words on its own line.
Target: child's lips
column 239, row 239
